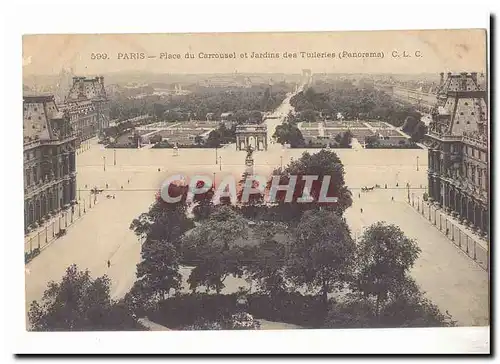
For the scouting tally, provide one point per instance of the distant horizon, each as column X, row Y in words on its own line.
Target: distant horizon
column 90, row 75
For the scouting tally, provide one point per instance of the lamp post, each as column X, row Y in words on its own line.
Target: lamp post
column 114, row 157
column 220, row 163
column 417, row 162
column 79, row 194
column 104, row 163
column 281, row 162
column 214, row 181
column 215, row 154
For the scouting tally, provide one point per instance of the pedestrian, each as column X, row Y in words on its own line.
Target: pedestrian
column 113, row 197
column 397, row 184
column 158, row 169
column 109, row 263
column 361, row 210
column 386, row 186
column 392, row 198
column 107, row 185
column 128, row 181
column 122, row 187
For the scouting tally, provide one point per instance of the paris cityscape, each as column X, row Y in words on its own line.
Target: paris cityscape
column 406, row 244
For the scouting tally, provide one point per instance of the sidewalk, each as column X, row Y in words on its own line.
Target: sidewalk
column 473, row 245
column 44, row 235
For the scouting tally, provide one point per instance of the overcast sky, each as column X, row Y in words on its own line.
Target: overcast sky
column 439, row 51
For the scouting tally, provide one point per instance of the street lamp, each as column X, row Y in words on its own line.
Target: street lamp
column 114, row 157
column 417, row 162
column 104, row 163
column 281, row 162
column 215, row 154
column 214, row 181
column 220, row 163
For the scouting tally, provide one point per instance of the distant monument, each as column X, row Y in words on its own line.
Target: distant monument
column 248, row 134
column 306, row 77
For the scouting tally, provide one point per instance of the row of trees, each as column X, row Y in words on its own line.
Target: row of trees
column 245, row 103
column 289, row 133
column 352, row 103
column 415, row 128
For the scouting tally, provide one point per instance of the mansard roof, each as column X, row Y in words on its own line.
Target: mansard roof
column 39, row 115
column 461, row 106
column 84, row 88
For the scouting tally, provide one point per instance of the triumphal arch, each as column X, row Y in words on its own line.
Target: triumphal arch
column 251, row 135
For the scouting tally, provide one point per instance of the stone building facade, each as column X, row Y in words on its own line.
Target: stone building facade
column 458, row 150
column 49, row 160
column 83, row 118
column 88, row 106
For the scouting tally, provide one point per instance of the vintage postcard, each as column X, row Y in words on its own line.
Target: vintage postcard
column 256, row 181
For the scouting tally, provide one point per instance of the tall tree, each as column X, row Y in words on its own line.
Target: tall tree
column 321, row 253
column 212, row 248
column 158, row 271
column 265, row 262
column 323, row 163
column 214, row 139
column 385, row 256
column 288, row 133
column 164, row 221
column 80, row 303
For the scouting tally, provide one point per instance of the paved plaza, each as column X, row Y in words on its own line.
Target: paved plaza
column 450, row 279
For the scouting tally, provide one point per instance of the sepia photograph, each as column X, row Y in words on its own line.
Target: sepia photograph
column 256, row 181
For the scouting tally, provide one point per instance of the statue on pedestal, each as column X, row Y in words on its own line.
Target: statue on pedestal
column 249, row 161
